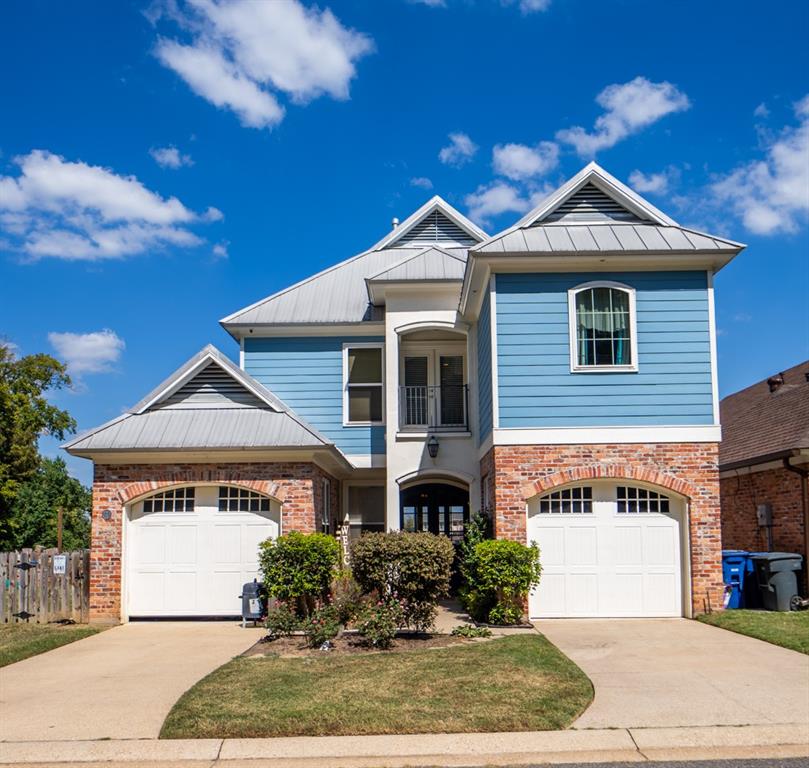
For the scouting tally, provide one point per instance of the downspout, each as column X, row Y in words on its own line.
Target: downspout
column 804, row 475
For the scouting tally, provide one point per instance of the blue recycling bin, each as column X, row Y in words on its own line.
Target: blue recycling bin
column 734, row 570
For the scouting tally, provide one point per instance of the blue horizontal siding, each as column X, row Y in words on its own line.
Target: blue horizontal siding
column 536, row 387
column 484, row 370
column 307, row 374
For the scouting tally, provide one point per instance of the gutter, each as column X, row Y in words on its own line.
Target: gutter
column 763, row 459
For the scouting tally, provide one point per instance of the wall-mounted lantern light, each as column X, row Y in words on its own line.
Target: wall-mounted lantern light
column 432, row 446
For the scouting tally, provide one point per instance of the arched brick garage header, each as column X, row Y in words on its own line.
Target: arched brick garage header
column 135, row 490
column 607, row 472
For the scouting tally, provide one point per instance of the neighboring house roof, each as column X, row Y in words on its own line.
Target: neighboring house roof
column 207, row 403
column 594, row 213
column 339, row 294
column 759, row 424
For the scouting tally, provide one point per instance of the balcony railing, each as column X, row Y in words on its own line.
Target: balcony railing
column 434, row 408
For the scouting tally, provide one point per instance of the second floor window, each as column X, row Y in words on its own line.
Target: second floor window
column 364, row 384
column 602, row 327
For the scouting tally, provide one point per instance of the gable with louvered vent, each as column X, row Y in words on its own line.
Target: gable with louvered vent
column 212, row 387
column 590, row 203
column 435, row 228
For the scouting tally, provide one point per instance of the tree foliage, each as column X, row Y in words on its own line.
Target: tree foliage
column 25, row 416
column 35, row 509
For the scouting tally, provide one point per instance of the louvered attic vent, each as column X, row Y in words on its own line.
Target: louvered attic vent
column 212, row 387
column 590, row 204
column 435, row 229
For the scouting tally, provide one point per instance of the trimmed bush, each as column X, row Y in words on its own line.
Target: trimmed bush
column 298, row 567
column 502, row 574
column 413, row 568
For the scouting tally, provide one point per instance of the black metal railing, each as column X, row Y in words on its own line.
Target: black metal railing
column 433, row 408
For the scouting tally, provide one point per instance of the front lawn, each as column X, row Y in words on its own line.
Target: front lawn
column 515, row 683
column 19, row 641
column 790, row 630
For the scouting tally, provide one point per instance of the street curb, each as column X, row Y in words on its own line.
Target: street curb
column 463, row 749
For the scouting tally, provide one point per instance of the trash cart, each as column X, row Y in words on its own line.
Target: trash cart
column 734, row 571
column 254, row 602
column 777, row 580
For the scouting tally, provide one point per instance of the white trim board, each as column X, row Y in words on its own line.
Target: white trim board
column 713, row 347
column 708, row 433
column 493, row 345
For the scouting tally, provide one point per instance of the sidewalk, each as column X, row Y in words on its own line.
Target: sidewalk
column 470, row 749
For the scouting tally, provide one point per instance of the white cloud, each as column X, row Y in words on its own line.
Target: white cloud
column 518, row 162
column 771, row 195
column 629, row 107
column 430, row 3
column 422, row 182
column 75, row 211
column 243, row 53
column 460, row 150
column 656, row 183
column 761, row 111
column 88, row 352
column 170, row 157
column 534, row 6
column 493, row 199
column 220, row 251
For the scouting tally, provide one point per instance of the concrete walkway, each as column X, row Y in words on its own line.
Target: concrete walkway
column 118, row 684
column 678, row 672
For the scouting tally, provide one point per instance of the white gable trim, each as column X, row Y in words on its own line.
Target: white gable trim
column 435, row 203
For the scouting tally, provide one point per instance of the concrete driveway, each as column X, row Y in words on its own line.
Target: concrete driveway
column 118, row 684
column 678, row 672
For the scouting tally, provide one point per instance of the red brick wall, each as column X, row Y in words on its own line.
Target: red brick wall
column 298, row 486
column 522, row 471
column 740, row 496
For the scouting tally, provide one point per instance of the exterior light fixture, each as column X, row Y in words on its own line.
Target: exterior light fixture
column 432, row 446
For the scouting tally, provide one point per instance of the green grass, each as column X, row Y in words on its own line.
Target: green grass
column 516, row 683
column 19, row 641
column 790, row 630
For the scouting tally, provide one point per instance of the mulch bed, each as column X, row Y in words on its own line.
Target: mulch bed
column 295, row 646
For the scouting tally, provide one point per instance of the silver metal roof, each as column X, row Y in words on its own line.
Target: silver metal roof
column 336, row 295
column 185, row 412
column 198, row 429
column 427, row 264
column 605, row 238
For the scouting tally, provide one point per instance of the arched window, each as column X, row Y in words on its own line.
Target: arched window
column 602, row 327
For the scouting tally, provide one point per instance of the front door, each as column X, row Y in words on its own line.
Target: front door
column 435, row 508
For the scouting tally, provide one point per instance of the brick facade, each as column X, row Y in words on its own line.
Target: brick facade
column 297, row 486
column 690, row 469
column 741, row 495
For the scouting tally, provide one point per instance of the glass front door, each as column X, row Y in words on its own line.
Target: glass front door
column 435, row 508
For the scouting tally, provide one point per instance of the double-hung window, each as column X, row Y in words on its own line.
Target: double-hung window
column 364, row 384
column 603, row 333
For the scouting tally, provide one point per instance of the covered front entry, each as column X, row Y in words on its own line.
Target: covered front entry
column 438, row 508
column 608, row 549
column 190, row 549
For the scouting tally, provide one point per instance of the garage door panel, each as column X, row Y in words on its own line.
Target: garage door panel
column 660, row 545
column 150, row 591
column 149, row 545
column 582, row 593
column 627, row 545
column 226, row 588
column 551, row 543
column 550, row 597
column 624, row 593
column 252, row 537
column 182, row 544
column 227, row 542
column 658, row 589
column 581, row 546
column 181, row 591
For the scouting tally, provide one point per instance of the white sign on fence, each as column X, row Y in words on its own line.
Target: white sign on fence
column 59, row 564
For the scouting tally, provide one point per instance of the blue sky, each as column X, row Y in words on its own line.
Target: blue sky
column 164, row 164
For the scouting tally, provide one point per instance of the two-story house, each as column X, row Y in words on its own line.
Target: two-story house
column 559, row 376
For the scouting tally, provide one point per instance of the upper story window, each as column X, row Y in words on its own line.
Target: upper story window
column 602, row 327
column 364, row 384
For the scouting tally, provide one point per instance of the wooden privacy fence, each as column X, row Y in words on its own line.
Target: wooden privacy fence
column 37, row 589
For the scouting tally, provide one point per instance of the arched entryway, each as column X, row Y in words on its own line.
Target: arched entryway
column 435, row 507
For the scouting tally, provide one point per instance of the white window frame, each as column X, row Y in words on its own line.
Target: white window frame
column 325, row 512
column 572, row 327
column 362, row 345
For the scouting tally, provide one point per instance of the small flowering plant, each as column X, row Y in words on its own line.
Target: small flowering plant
column 321, row 625
column 379, row 621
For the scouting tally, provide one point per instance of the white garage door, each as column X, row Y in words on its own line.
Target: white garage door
column 190, row 550
column 607, row 549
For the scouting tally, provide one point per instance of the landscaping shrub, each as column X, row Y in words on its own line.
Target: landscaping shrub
column 501, row 576
column 378, row 621
column 468, row 630
column 282, row 620
column 346, row 596
column 298, row 567
column 413, row 568
column 321, row 625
